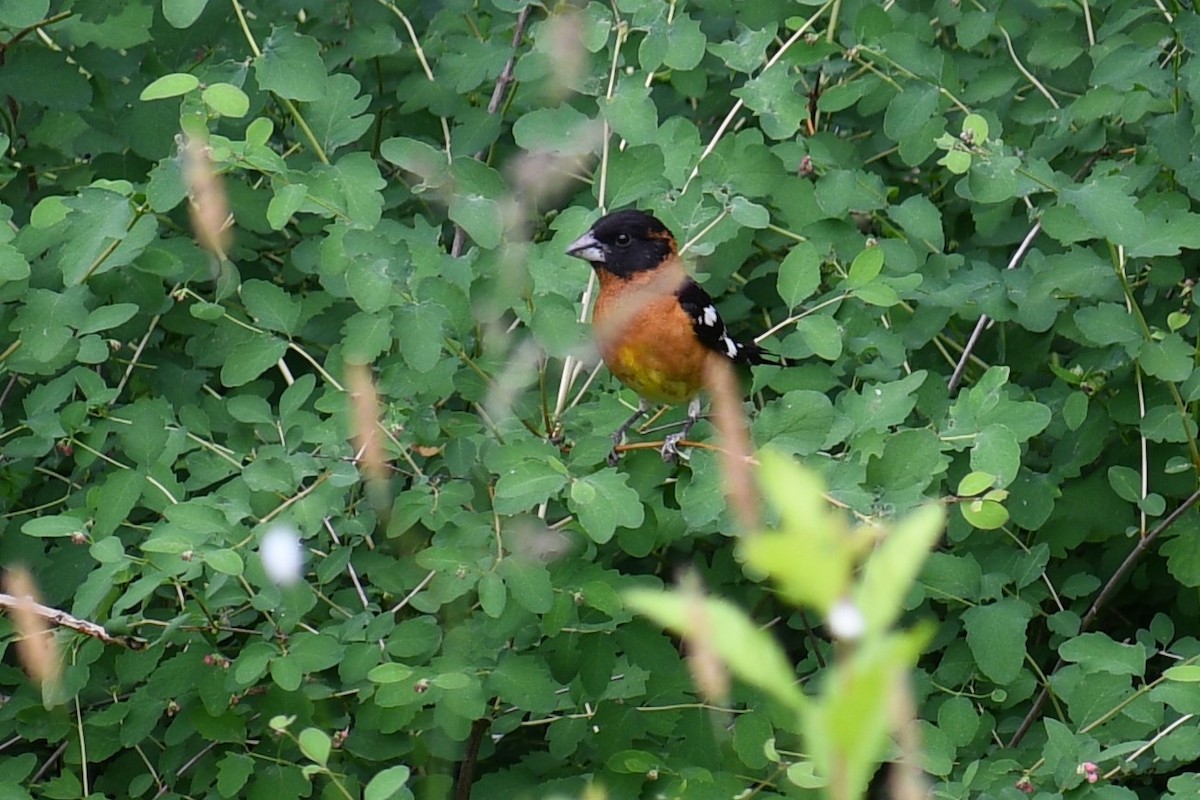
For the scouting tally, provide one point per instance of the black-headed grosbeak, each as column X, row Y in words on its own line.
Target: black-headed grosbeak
column 654, row 325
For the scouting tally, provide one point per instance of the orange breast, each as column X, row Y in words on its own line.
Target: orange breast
column 646, row 338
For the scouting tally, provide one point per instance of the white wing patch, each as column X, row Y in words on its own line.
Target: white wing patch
column 709, row 316
column 731, row 347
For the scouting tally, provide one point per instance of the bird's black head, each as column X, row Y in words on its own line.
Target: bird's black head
column 625, row 242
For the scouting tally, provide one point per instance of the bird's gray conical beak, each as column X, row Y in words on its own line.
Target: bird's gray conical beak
column 588, row 248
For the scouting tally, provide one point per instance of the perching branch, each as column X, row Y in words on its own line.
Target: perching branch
column 65, row 620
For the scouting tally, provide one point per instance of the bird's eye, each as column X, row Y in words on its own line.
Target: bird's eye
column 623, row 239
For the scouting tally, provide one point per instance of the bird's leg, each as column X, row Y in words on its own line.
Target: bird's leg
column 670, row 448
column 618, row 436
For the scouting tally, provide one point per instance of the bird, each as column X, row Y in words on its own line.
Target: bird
column 655, row 327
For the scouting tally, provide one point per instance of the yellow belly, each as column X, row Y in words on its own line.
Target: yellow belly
column 650, row 377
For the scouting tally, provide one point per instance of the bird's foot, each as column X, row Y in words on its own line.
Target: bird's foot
column 613, row 458
column 670, row 450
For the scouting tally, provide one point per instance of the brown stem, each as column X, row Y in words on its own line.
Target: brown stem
column 466, row 771
column 1105, row 593
column 502, row 82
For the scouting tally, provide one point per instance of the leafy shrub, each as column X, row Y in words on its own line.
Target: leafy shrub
column 970, row 223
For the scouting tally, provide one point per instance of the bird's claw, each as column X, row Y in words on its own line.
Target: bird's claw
column 613, row 457
column 670, row 450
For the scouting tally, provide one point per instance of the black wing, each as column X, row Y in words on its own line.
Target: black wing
column 711, row 331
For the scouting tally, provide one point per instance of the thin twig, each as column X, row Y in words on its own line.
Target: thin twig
column 1102, row 598
column 137, row 354
column 1029, row 75
column 984, row 319
column 362, row 596
column 408, row 597
column 725, row 123
column 62, row 618
column 502, row 82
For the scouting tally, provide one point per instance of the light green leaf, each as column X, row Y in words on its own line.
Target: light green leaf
column 226, row 99
column 226, row 561
column 893, row 565
column 315, row 745
column 173, row 85
column 749, row 651
column 865, row 267
column 388, row 785
column 181, row 14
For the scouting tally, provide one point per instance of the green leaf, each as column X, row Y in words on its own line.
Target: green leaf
column 250, row 359
column 107, row 317
column 748, row 214
column 493, row 596
column 226, row 561
column 337, row 118
column 1108, row 323
column 997, row 452
column 291, row 66
column 525, row 682
column 1108, row 207
column 315, row 745
column 53, row 525
column 922, row 220
column 271, row 307
column 226, row 99
column 865, row 268
column 1186, row 673
column 750, row 652
column 480, row 217
column 975, row 483
column 773, row 97
column 181, row 14
column 286, row 201
column 17, row 14
column 528, row 483
column 529, row 584
column 957, row 161
column 892, row 567
column 799, row 274
column 822, row 335
column 1126, row 482
column 909, row 110
column 388, row 784
column 1075, row 410
column 389, row 673
column 631, row 114
column 1096, row 652
column 561, row 130
column 603, row 502
column 1170, row 359
column 13, row 265
column 976, row 128
column 233, row 770
column 996, row 637
column 173, row 85
column 811, row 555
column 986, row 515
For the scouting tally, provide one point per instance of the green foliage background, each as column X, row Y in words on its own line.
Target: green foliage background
column 160, row 408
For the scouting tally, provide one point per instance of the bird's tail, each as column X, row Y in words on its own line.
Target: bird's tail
column 751, row 353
